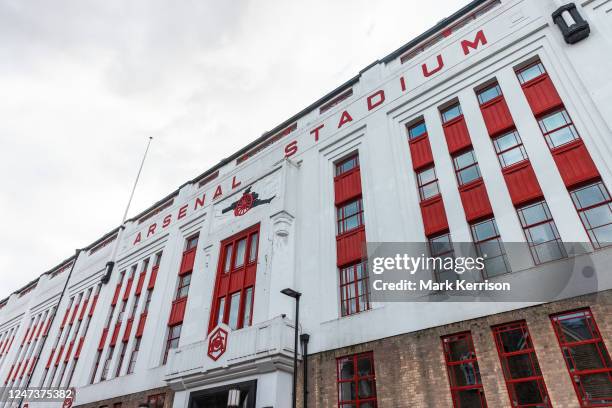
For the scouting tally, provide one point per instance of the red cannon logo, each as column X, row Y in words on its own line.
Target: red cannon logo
column 217, row 344
column 246, row 202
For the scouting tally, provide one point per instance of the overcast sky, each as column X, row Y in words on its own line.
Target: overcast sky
column 84, row 83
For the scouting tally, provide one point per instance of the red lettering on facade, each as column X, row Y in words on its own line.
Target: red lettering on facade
column 315, row 132
column 427, row 73
column 479, row 39
column 152, row 228
column 235, row 183
column 218, row 192
column 137, row 239
column 372, row 103
column 403, row 83
column 291, row 149
column 199, row 202
column 182, row 212
column 344, row 119
column 167, row 220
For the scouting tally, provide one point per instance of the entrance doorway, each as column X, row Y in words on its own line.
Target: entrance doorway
column 218, row 397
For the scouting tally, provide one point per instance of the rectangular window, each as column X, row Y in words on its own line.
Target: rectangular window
column 489, row 93
column 183, row 286
column 240, row 253
column 489, row 246
column 95, row 368
column 221, row 310
column 253, row 247
column 541, row 232
column 174, row 334
column 509, row 148
column 441, row 247
column 350, row 216
column 466, row 167
column 428, row 183
column 416, row 130
column 233, row 311
column 121, row 358
column 558, row 128
column 227, row 260
column 105, row 368
column 586, row 357
column 520, row 366
column 451, row 113
column 248, row 307
column 595, row 209
column 530, row 72
column 463, row 372
column 192, row 242
column 346, row 165
column 356, row 381
column 145, row 308
column 156, row 401
column 134, row 356
column 354, row 288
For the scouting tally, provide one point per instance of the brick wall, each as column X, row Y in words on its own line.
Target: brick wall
column 133, row 400
column 410, row 369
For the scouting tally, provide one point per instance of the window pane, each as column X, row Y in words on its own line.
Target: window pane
column 534, row 214
column 469, row 174
column 590, row 195
column 347, row 370
column 417, row 130
column 253, row 247
column 488, row 94
column 484, row 230
column 464, row 160
column 430, row 190
column 562, row 136
column 529, row 73
column 506, row 141
column 240, row 253
column 451, row 113
column 513, row 156
column 554, row 121
column 221, row 310
column 528, row 392
column 248, row 299
column 234, row 307
column 228, row 258
column 427, row 176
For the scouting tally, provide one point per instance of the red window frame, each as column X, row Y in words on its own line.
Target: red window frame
column 172, row 340
column 467, row 364
column 503, row 150
column 347, row 164
column 595, row 341
column 481, row 94
column 356, row 380
column 527, row 226
column 569, row 124
column 423, row 184
column 488, row 240
column 354, row 288
column 433, row 244
column 182, row 289
column 528, row 352
column 460, row 169
column 192, row 242
column 536, row 65
column 238, row 278
column 420, row 127
column 156, row 401
column 343, row 216
column 583, row 209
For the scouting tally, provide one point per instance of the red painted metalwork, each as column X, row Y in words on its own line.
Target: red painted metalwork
column 356, row 372
column 420, row 152
column 456, row 134
column 347, row 185
column 187, row 261
column 541, row 94
column 350, row 246
column 497, row 116
column 128, row 329
column 586, row 357
column 520, row 366
column 522, row 183
column 575, row 164
column 115, row 335
column 475, row 200
column 177, row 312
column 128, row 287
column 153, row 277
column 140, row 282
column 141, row 325
column 434, row 216
column 116, row 295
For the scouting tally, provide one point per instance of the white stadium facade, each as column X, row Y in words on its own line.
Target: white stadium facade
column 493, row 127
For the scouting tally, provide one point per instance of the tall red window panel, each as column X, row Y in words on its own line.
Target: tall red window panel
column 524, row 381
column 463, row 372
column 522, row 183
column 541, row 232
column 538, row 88
column 420, row 149
column 472, row 190
column 586, row 357
column 354, row 288
column 356, row 381
column 347, row 181
column 235, row 283
column 575, row 164
column 594, row 207
column 494, row 109
column 455, row 130
column 189, row 255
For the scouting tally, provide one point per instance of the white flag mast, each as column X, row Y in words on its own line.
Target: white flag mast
column 111, row 263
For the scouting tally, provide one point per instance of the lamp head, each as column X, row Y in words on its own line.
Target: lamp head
column 291, row 293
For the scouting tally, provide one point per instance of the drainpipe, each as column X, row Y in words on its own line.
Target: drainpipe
column 44, row 341
column 304, row 338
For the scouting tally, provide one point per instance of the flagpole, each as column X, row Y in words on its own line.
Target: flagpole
column 111, row 263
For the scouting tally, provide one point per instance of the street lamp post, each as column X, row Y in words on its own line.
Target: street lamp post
column 296, row 295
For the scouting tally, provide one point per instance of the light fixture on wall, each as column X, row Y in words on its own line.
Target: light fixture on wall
column 233, row 398
column 573, row 27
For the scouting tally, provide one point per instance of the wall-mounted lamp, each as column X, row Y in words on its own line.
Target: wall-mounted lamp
column 573, row 27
